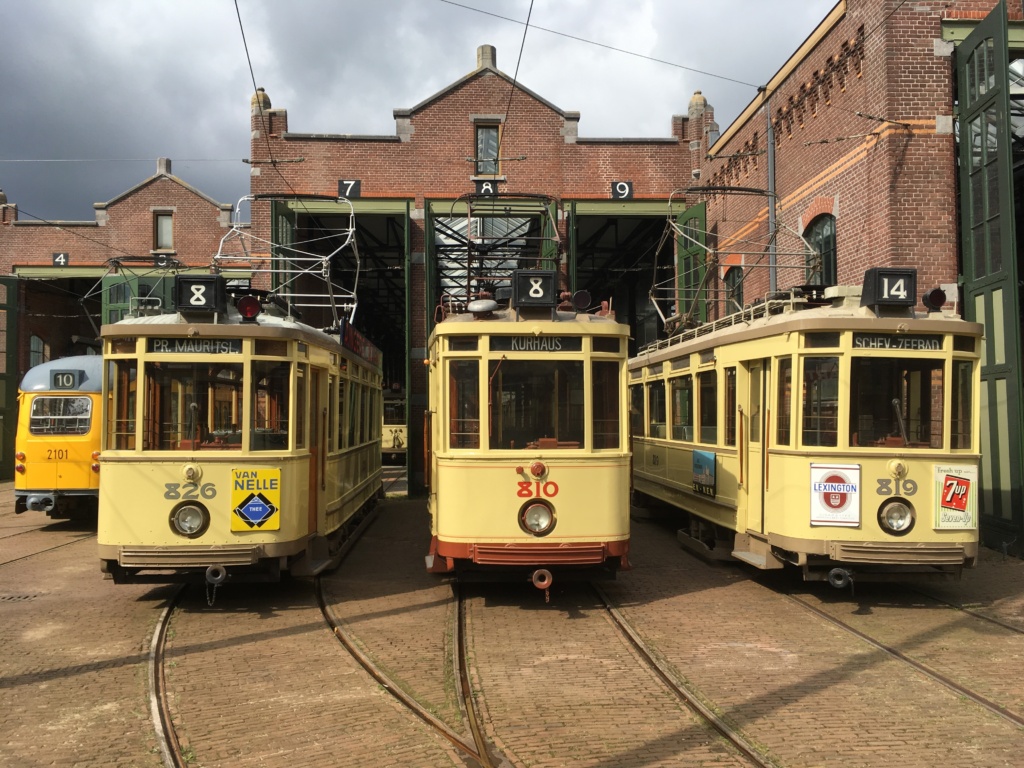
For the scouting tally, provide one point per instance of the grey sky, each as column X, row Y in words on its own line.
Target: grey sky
column 94, row 91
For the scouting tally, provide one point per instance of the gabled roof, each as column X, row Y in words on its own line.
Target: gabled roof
column 485, row 59
column 163, row 172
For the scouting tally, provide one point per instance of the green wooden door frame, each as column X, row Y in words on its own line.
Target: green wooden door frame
column 8, row 376
column 990, row 268
column 691, row 263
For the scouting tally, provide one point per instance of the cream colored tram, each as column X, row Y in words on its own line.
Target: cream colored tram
column 839, row 436
column 237, row 444
column 528, row 453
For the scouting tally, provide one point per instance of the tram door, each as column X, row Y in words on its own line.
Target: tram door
column 757, row 383
column 317, row 452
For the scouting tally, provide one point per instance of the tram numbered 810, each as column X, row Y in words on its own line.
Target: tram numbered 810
column 528, row 453
column 237, row 444
column 839, row 436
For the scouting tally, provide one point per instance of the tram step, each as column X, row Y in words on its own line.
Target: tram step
column 755, row 551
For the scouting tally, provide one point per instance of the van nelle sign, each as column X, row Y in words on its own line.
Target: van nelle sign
column 835, row 495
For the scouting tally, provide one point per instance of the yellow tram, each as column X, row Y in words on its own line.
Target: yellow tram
column 528, row 453
column 838, row 433
column 236, row 444
column 57, row 445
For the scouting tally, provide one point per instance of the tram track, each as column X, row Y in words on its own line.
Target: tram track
column 687, row 697
column 924, row 669
column 477, row 749
column 43, row 551
column 972, row 612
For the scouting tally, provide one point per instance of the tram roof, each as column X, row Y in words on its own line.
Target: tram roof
column 795, row 314
column 231, row 321
column 89, row 367
column 504, row 317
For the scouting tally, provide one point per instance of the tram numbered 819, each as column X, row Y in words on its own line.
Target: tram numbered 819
column 237, row 444
column 528, row 453
column 839, row 436
column 56, row 450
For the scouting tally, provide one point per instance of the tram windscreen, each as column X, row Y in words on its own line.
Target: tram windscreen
column 60, row 415
column 896, row 402
column 191, row 406
column 536, row 403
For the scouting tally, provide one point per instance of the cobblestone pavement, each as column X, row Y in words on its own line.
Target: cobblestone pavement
column 259, row 679
column 74, row 650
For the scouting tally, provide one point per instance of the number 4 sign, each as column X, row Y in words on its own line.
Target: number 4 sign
column 61, row 259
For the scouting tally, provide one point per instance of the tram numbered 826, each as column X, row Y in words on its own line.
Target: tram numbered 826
column 528, row 455
column 237, row 444
column 840, row 435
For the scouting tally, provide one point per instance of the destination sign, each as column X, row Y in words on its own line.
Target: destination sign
column 536, row 343
column 196, row 346
column 897, row 342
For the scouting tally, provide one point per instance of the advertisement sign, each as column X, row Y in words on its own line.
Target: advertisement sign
column 956, row 497
column 835, row 495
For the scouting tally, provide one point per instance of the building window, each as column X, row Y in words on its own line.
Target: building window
column 821, row 263
column 163, row 232
column 487, row 150
column 39, row 351
column 733, row 290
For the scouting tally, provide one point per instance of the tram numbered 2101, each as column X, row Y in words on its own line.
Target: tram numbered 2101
column 56, row 449
column 237, row 444
column 836, row 433
column 528, row 455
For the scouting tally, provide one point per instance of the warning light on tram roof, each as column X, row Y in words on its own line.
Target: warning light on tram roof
column 934, row 299
column 249, row 307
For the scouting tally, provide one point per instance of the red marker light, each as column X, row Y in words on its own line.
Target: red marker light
column 249, row 307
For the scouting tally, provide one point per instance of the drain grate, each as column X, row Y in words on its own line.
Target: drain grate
column 17, row 598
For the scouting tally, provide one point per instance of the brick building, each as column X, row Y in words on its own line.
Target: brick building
column 63, row 279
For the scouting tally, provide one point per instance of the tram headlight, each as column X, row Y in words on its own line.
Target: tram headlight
column 896, row 517
column 190, row 519
column 537, row 519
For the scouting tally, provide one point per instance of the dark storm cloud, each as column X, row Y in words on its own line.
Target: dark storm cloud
column 108, row 86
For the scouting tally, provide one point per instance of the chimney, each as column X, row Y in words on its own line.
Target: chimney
column 486, row 57
column 163, row 166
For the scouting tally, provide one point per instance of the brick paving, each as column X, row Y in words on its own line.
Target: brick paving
column 258, row 679
column 73, row 664
column 808, row 692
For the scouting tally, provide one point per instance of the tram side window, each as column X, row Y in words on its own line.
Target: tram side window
column 784, row 401
column 730, row 406
column 606, row 403
column 191, row 406
column 708, row 406
column 820, row 401
column 536, row 403
column 270, row 401
column 636, row 410
column 896, row 402
column 961, row 427
column 464, row 403
column 682, row 408
column 121, row 376
column 343, row 386
column 656, row 408
column 355, row 410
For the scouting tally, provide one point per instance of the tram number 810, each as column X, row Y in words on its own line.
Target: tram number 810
column 536, row 489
